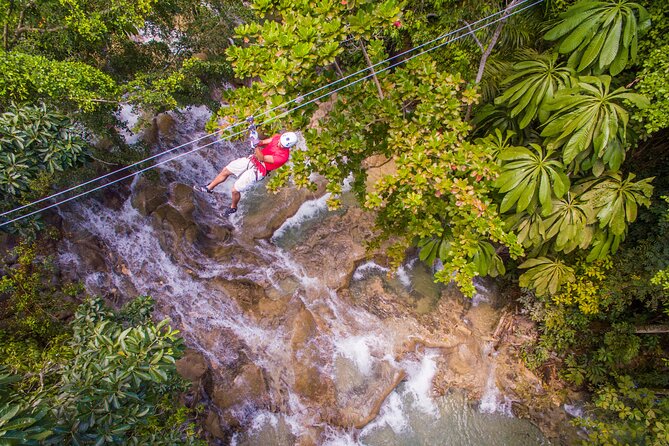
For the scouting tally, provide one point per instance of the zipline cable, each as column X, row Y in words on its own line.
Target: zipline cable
column 266, row 121
column 101, row 177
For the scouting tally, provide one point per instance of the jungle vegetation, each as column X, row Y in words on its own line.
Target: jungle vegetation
column 533, row 149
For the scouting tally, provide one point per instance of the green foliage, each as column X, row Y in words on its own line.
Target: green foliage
column 589, row 123
column 532, row 86
column 33, row 359
column 35, row 140
column 115, row 384
column 21, row 422
column 87, row 20
column 590, row 322
column 601, row 35
column 569, row 224
column 33, row 78
column 438, row 183
column 617, row 200
column 119, row 373
column 32, row 301
column 654, row 85
column 155, row 94
column 627, row 414
column 530, row 177
column 296, row 48
column 595, row 213
column 545, row 275
column 585, row 291
column 91, row 22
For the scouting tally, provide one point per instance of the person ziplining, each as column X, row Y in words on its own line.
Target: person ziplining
column 249, row 170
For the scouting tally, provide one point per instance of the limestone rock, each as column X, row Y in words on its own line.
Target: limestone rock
column 270, row 211
column 147, row 196
column 247, row 387
column 212, row 425
column 192, row 366
column 332, row 251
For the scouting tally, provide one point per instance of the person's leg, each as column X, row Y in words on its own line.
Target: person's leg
column 235, row 167
column 236, row 195
column 244, row 182
column 221, row 177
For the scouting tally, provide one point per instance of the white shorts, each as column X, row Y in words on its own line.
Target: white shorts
column 246, row 173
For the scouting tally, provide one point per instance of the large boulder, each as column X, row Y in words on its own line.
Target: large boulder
column 192, row 366
column 147, row 196
column 307, row 360
column 335, row 247
column 269, row 211
column 249, row 386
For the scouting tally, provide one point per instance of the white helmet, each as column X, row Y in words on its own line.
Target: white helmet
column 288, row 139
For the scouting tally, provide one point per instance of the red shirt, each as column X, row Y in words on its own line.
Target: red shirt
column 279, row 154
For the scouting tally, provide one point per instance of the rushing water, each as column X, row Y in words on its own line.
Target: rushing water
column 352, row 347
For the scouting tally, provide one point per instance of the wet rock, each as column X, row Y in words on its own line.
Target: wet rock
column 360, row 401
column 89, row 250
column 147, row 196
column 303, row 329
column 245, row 292
column 269, row 211
column 215, row 243
column 181, row 197
column 115, row 197
column 248, row 387
column 253, row 299
column 164, row 125
column 192, row 366
column 271, row 310
column 212, row 425
column 172, row 228
column 306, row 359
column 174, row 223
column 332, row 251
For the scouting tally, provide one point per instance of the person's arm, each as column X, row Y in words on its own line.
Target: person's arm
column 263, row 158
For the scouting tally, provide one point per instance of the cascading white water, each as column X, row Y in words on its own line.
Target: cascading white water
column 352, row 346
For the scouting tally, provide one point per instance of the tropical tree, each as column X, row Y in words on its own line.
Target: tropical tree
column 118, row 374
column 589, row 123
column 24, row 20
column 654, row 80
column 35, row 142
column 532, row 85
column 530, row 177
column 63, row 84
column 301, row 42
column 437, row 188
column 627, row 414
column 617, row 200
column 545, row 275
column 600, row 35
column 21, row 422
column 569, row 224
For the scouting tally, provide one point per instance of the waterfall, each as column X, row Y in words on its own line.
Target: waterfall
column 310, row 344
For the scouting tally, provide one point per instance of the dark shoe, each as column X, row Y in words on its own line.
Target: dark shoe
column 202, row 189
column 229, row 211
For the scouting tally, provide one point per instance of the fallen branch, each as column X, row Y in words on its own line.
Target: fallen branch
column 652, row 329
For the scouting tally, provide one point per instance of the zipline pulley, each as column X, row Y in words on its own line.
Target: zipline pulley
column 253, row 132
